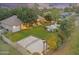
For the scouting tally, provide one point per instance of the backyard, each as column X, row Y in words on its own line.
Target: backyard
column 39, row 32
column 56, row 39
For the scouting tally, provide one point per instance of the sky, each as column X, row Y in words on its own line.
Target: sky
column 13, row 5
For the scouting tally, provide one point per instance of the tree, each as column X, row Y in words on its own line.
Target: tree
column 5, row 13
column 68, row 9
column 77, row 9
column 37, row 10
column 67, row 26
column 26, row 15
column 55, row 13
column 48, row 16
column 52, row 14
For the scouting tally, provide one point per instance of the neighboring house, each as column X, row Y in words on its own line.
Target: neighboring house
column 33, row 44
column 52, row 27
column 65, row 14
column 12, row 24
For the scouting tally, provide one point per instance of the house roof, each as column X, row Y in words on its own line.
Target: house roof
column 65, row 14
column 31, row 43
column 12, row 21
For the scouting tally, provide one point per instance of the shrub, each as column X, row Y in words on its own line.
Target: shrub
column 52, row 42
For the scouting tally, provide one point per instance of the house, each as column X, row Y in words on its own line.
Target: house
column 65, row 14
column 32, row 44
column 12, row 24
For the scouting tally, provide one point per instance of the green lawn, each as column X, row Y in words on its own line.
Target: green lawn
column 6, row 49
column 39, row 32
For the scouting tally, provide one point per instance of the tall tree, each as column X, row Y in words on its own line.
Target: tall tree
column 26, row 15
column 68, row 9
column 55, row 13
column 67, row 26
column 48, row 16
column 5, row 13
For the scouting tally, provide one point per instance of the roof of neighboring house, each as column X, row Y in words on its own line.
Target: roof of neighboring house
column 31, row 43
column 65, row 14
column 12, row 21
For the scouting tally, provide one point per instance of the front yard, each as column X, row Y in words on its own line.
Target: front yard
column 39, row 32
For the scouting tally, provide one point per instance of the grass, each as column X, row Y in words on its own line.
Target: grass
column 74, row 43
column 39, row 32
column 5, row 49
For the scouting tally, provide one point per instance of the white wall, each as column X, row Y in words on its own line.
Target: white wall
column 16, row 28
